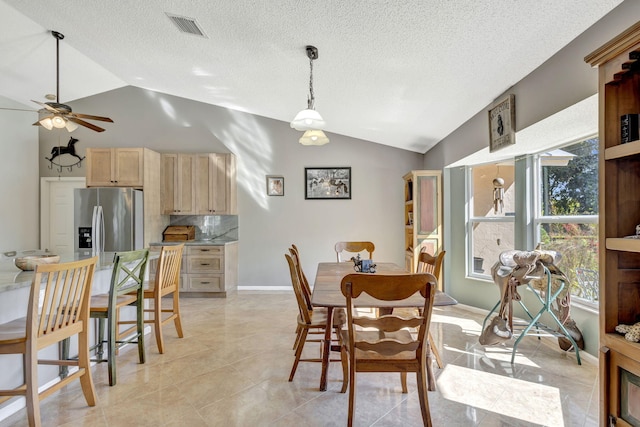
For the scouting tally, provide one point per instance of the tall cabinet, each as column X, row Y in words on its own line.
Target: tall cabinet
column 422, row 214
column 619, row 187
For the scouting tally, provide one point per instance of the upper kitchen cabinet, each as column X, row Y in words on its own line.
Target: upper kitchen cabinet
column 178, row 173
column 119, row 167
column 215, row 184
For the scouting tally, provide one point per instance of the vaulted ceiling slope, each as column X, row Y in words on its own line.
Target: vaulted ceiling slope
column 399, row 73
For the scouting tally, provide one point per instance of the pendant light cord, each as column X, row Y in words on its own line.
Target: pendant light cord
column 311, row 100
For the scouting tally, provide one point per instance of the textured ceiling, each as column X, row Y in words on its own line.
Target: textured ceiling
column 399, row 73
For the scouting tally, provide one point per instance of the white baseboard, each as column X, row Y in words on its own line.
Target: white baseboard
column 265, row 288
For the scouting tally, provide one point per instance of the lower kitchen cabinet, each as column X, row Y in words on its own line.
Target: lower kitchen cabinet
column 207, row 270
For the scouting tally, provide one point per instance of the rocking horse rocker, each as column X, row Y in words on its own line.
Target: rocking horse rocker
column 69, row 149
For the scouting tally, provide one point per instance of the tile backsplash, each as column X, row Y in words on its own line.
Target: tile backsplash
column 210, row 226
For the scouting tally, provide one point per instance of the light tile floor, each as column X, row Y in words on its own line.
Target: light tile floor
column 232, row 366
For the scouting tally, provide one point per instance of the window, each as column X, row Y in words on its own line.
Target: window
column 492, row 215
column 566, row 217
column 563, row 217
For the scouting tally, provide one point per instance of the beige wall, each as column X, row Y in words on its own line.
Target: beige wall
column 19, row 192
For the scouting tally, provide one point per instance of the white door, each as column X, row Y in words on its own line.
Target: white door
column 57, row 214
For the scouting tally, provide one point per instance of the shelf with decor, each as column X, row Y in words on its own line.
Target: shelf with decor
column 619, row 187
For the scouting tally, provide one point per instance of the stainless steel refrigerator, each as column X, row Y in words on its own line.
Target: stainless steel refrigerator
column 108, row 219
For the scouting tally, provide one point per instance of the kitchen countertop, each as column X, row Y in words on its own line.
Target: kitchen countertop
column 11, row 277
column 200, row 242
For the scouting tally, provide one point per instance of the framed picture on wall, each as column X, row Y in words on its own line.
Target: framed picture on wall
column 327, row 183
column 502, row 124
column 275, row 185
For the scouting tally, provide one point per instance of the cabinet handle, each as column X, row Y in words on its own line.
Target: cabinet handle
column 205, row 283
column 204, row 264
column 205, row 250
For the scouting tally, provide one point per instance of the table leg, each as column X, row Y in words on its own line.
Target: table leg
column 326, row 348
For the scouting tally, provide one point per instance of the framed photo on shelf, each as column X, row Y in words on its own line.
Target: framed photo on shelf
column 327, row 183
column 502, row 124
column 275, row 185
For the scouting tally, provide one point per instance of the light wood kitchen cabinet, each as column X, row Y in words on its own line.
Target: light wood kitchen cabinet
column 115, row 167
column 215, row 184
column 206, row 270
column 178, row 190
column 131, row 167
column 619, row 195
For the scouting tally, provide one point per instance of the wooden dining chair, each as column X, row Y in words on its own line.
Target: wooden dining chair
column 127, row 281
column 58, row 309
column 312, row 323
column 166, row 282
column 428, row 263
column 353, row 248
column 385, row 344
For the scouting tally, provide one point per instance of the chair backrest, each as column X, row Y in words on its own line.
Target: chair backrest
column 59, row 301
column 306, row 289
column 168, row 270
column 305, row 312
column 389, row 288
column 128, row 274
column 353, row 247
column 428, row 263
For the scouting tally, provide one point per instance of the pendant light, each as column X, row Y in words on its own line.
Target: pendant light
column 313, row 137
column 309, row 120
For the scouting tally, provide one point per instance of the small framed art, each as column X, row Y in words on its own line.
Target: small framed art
column 275, row 185
column 502, row 124
column 327, row 183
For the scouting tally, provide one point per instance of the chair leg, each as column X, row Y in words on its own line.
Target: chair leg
column 100, row 339
column 176, row 311
column 403, row 382
column 295, row 343
column 84, row 362
column 345, row 369
column 303, row 337
column 431, row 377
column 111, row 348
column 140, row 328
column 434, row 351
column 31, row 381
column 157, row 323
column 352, row 392
column 422, row 395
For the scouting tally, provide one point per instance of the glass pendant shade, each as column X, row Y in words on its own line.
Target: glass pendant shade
column 314, row 137
column 71, row 126
column 58, row 122
column 308, row 119
column 46, row 123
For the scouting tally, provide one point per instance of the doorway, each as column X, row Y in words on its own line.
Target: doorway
column 56, row 213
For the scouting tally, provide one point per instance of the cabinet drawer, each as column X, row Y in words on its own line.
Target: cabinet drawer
column 208, row 283
column 205, row 250
column 205, row 264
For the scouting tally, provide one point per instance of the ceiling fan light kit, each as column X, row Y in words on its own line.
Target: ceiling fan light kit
column 309, row 120
column 61, row 115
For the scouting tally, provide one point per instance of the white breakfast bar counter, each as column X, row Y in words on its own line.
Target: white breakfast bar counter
column 15, row 286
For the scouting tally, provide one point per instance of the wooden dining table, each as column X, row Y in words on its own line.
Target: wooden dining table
column 327, row 293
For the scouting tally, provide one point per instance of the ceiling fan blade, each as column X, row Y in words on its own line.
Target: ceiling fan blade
column 85, row 124
column 90, row 117
column 48, row 107
column 18, row 109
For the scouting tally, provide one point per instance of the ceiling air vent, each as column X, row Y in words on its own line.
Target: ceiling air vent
column 187, row 25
